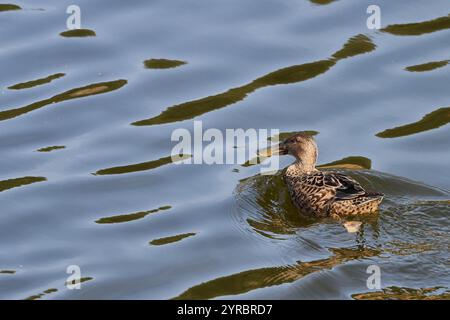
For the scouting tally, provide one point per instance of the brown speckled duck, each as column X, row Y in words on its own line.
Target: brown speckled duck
column 324, row 193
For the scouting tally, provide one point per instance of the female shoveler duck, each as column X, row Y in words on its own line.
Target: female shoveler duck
column 322, row 193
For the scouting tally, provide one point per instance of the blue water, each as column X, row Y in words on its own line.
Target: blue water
column 238, row 235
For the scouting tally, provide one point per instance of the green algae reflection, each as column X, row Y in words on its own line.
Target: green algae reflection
column 356, row 45
column 427, row 66
column 322, row 2
column 19, row 182
column 163, row 63
column 284, row 135
column 192, row 109
column 9, row 7
column 418, row 28
column 81, row 92
column 352, row 162
column 430, row 121
column 130, row 217
column 7, row 271
column 48, row 149
column 78, row 33
column 37, row 82
column 40, row 295
column 254, row 279
column 171, row 239
column 143, row 166
column 75, row 282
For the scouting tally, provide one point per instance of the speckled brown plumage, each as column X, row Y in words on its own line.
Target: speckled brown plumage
column 324, row 193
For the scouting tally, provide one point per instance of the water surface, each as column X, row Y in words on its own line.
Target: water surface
column 86, row 176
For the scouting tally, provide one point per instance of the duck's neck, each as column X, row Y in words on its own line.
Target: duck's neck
column 301, row 167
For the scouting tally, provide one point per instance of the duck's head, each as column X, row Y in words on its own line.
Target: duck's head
column 302, row 146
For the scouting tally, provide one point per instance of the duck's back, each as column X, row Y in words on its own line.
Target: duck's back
column 329, row 193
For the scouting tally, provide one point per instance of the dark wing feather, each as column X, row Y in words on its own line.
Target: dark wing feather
column 346, row 188
column 343, row 186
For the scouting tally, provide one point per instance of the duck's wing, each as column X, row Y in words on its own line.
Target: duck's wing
column 343, row 187
column 346, row 188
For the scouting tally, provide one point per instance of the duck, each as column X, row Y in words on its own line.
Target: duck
column 322, row 193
